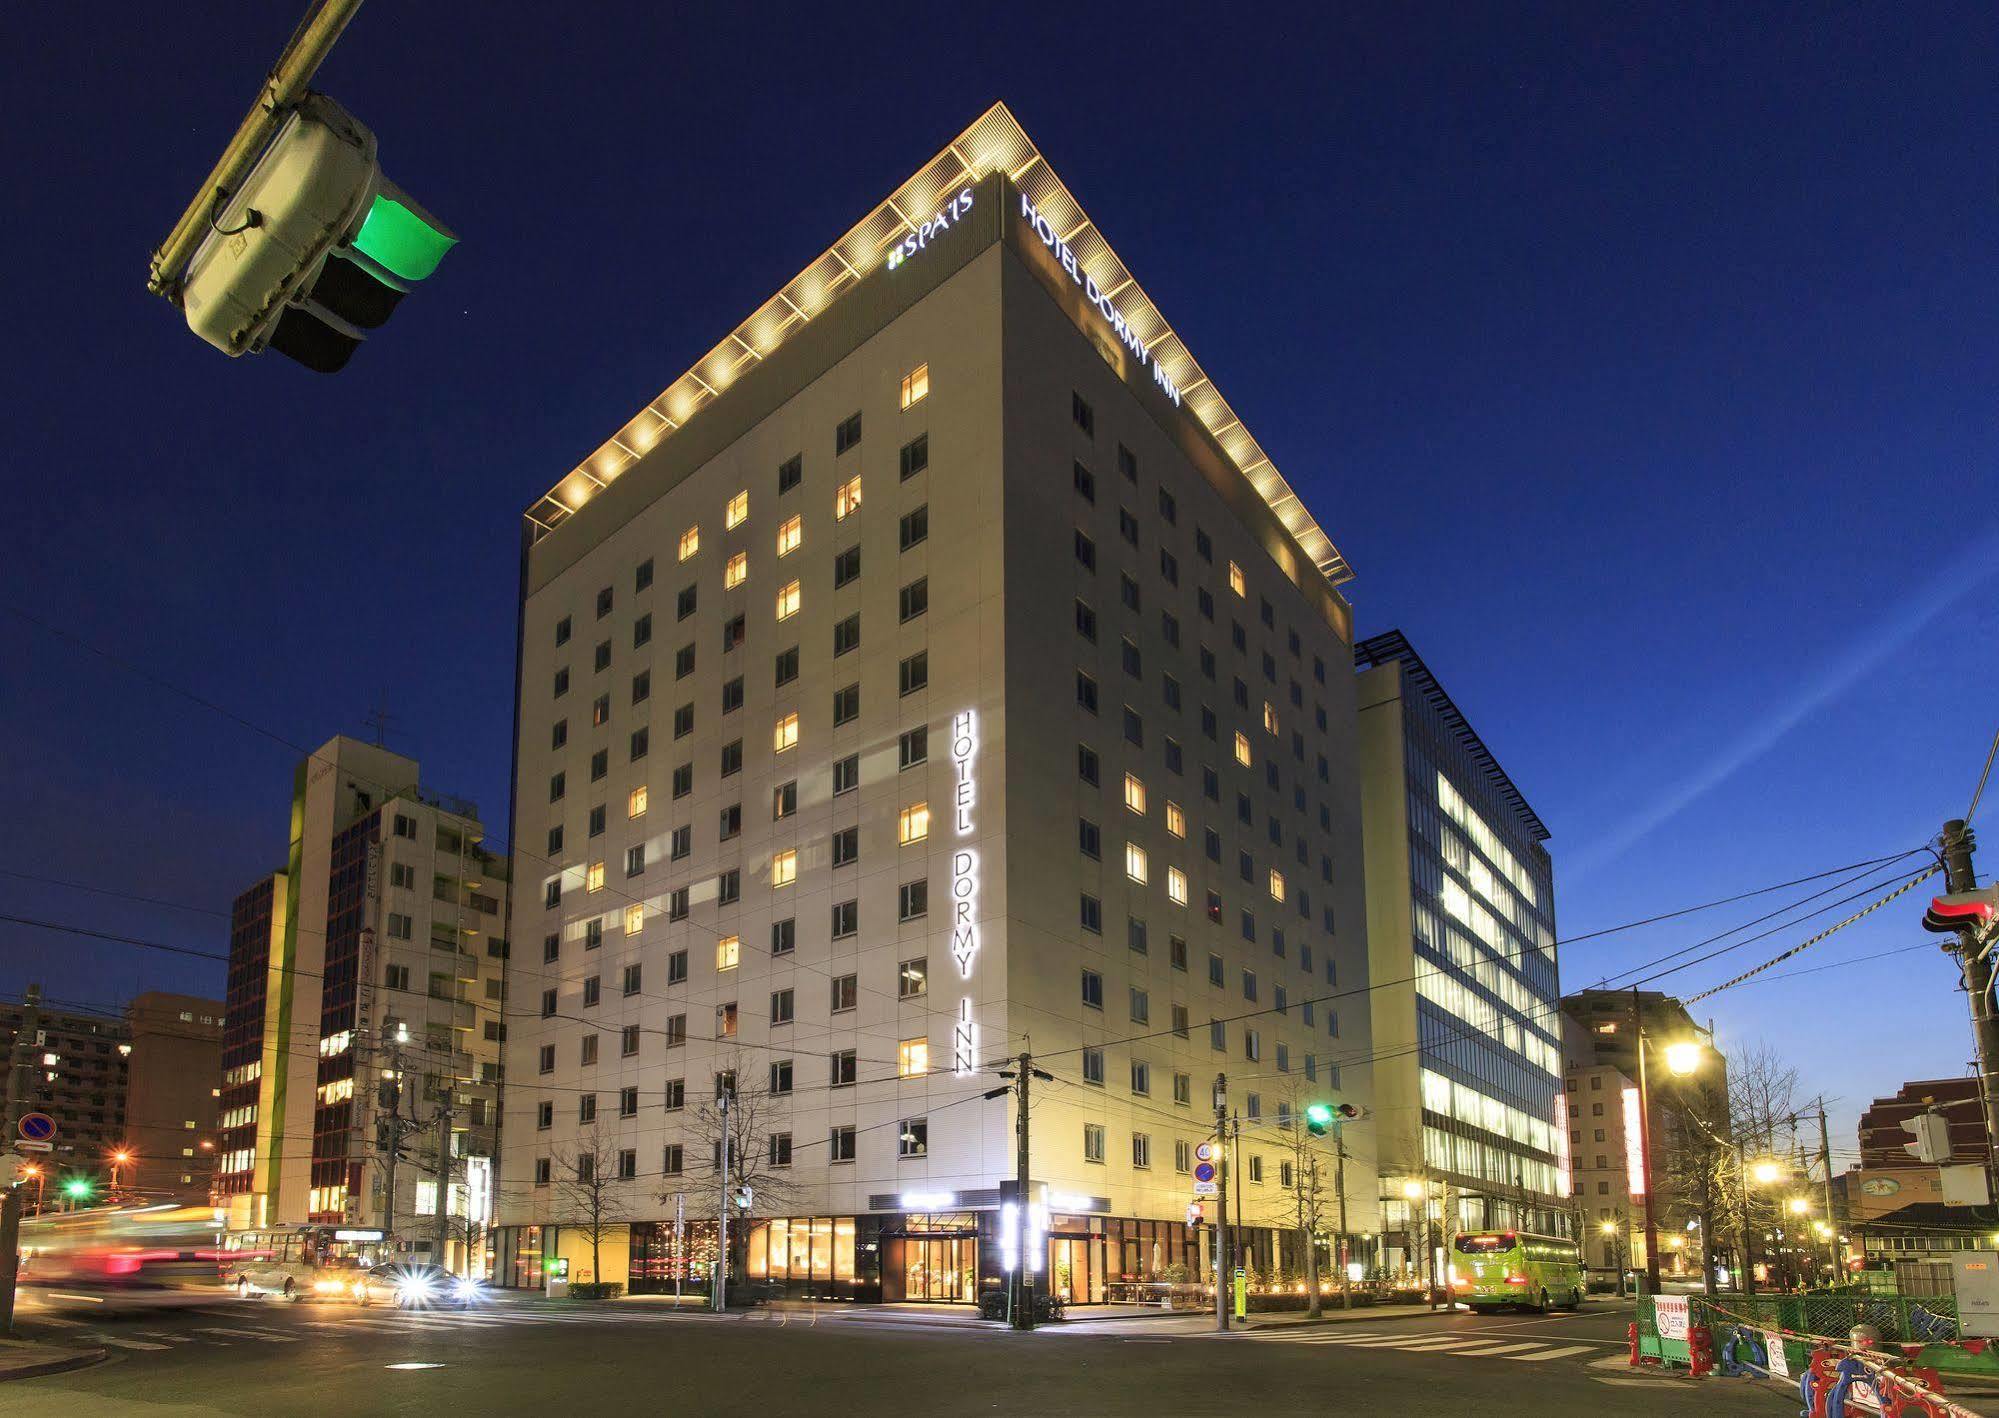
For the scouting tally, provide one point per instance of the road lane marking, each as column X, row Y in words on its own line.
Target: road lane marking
column 118, row 1341
column 1560, row 1353
column 266, row 1334
column 1510, row 1349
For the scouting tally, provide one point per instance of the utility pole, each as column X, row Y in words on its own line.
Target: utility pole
column 1222, row 1202
column 390, row 1138
column 1831, row 1221
column 1645, row 1146
column 1023, row 1276
column 1340, row 1181
column 18, row 1090
column 1748, row 1277
column 443, row 1209
column 1308, row 1215
column 1959, row 875
column 721, row 1290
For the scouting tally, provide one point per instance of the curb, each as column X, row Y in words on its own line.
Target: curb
column 76, row 1359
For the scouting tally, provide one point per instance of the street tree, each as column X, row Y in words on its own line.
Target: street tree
column 589, row 1195
column 759, row 1147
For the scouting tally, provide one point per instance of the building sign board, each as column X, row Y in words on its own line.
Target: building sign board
column 1101, row 299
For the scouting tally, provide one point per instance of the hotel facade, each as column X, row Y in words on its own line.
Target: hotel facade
column 936, row 673
column 1465, row 999
column 375, row 958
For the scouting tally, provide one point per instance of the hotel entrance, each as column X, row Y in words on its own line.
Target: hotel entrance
column 934, row 1260
column 1076, row 1268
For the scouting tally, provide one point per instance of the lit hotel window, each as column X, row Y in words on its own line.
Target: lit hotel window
column 914, row 824
column 1276, row 884
column 1235, row 580
column 785, row 735
column 1134, row 861
column 912, row 1058
column 739, row 508
column 847, row 499
column 638, row 805
column 790, row 535
column 1176, row 820
column 784, row 868
column 787, row 602
column 738, row 569
column 690, row 541
column 595, row 880
column 635, row 919
column 728, row 952
column 1269, row 718
column 1176, row 886
column 1241, row 748
column 915, row 385
column 1134, row 793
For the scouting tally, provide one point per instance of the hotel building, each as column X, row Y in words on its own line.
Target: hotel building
column 378, row 952
column 1461, row 941
column 937, row 672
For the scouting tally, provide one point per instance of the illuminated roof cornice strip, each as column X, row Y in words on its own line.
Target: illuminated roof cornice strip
column 994, row 142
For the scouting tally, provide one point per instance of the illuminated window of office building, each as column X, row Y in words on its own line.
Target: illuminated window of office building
column 915, row 385
column 1176, row 820
column 1236, row 581
column 1134, row 861
column 785, row 735
column 1269, row 718
column 912, row 1058
column 1134, row 793
column 728, row 952
column 738, row 509
column 690, row 541
column 1276, row 884
column 847, row 498
column 736, row 572
column 1242, row 748
column 1176, row 886
column 784, row 868
column 787, row 601
column 914, row 824
column 790, row 535
column 638, row 802
column 635, row 918
column 594, row 881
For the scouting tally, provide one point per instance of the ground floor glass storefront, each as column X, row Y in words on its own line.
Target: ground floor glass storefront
column 904, row 1257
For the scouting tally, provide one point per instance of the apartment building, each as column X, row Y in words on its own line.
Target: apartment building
column 366, row 989
column 936, row 673
column 172, row 1095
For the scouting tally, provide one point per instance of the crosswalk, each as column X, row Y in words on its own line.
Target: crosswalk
column 1451, row 1346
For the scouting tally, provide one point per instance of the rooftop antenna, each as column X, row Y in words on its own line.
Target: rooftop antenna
column 378, row 720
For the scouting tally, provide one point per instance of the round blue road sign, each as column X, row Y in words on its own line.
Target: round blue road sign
column 1204, row 1171
column 37, row 1127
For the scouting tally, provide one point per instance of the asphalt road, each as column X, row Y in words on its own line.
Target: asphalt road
column 235, row 1357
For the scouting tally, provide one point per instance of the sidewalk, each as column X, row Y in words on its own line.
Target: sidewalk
column 20, row 1359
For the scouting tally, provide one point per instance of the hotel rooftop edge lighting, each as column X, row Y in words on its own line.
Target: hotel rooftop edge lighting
column 995, row 141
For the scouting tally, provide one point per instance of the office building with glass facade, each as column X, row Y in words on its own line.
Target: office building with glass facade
column 936, row 672
column 1461, row 942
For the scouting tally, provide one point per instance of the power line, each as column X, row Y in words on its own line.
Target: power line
column 1906, row 886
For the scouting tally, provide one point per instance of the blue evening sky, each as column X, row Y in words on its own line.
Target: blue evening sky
column 1642, row 359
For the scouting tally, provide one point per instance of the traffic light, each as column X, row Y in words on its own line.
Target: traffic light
column 1932, row 1137
column 1962, row 911
column 79, row 1188
column 313, row 249
column 1319, row 1117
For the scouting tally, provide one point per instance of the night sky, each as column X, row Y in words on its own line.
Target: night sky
column 1641, row 361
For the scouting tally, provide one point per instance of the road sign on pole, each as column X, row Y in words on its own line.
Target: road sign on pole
column 37, row 1127
column 1204, row 1152
column 26, row 1146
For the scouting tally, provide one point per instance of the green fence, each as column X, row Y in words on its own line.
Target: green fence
column 1898, row 1319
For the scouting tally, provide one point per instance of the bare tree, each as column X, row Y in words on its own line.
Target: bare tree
column 1302, row 1204
column 759, row 1149
column 588, row 1193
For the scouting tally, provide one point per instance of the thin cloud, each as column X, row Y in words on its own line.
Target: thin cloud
column 1903, row 623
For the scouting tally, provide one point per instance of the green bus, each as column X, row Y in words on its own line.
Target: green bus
column 1494, row 1268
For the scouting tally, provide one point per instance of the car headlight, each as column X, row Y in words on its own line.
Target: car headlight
column 326, row 1287
column 414, row 1288
column 465, row 1288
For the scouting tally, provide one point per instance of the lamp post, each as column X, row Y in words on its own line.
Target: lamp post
column 1682, row 1058
column 120, row 1157
column 1614, row 1239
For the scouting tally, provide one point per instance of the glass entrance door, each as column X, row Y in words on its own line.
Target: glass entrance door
column 1076, row 1269
column 940, row 1270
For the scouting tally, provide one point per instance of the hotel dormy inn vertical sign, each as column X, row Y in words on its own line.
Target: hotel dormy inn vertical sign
column 964, row 885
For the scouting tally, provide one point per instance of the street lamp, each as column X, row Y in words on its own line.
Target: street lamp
column 1683, row 1057
column 120, row 1157
column 1765, row 1172
column 1614, row 1243
column 1416, row 1192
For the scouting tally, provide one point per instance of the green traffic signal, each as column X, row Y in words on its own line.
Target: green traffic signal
column 1318, row 1117
column 78, row 1188
column 401, row 237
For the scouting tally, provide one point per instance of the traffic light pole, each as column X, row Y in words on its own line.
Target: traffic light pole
column 1222, row 1202
column 1340, row 1181
column 1023, row 1272
column 1959, row 876
column 442, row 1212
column 283, row 88
column 721, row 1290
